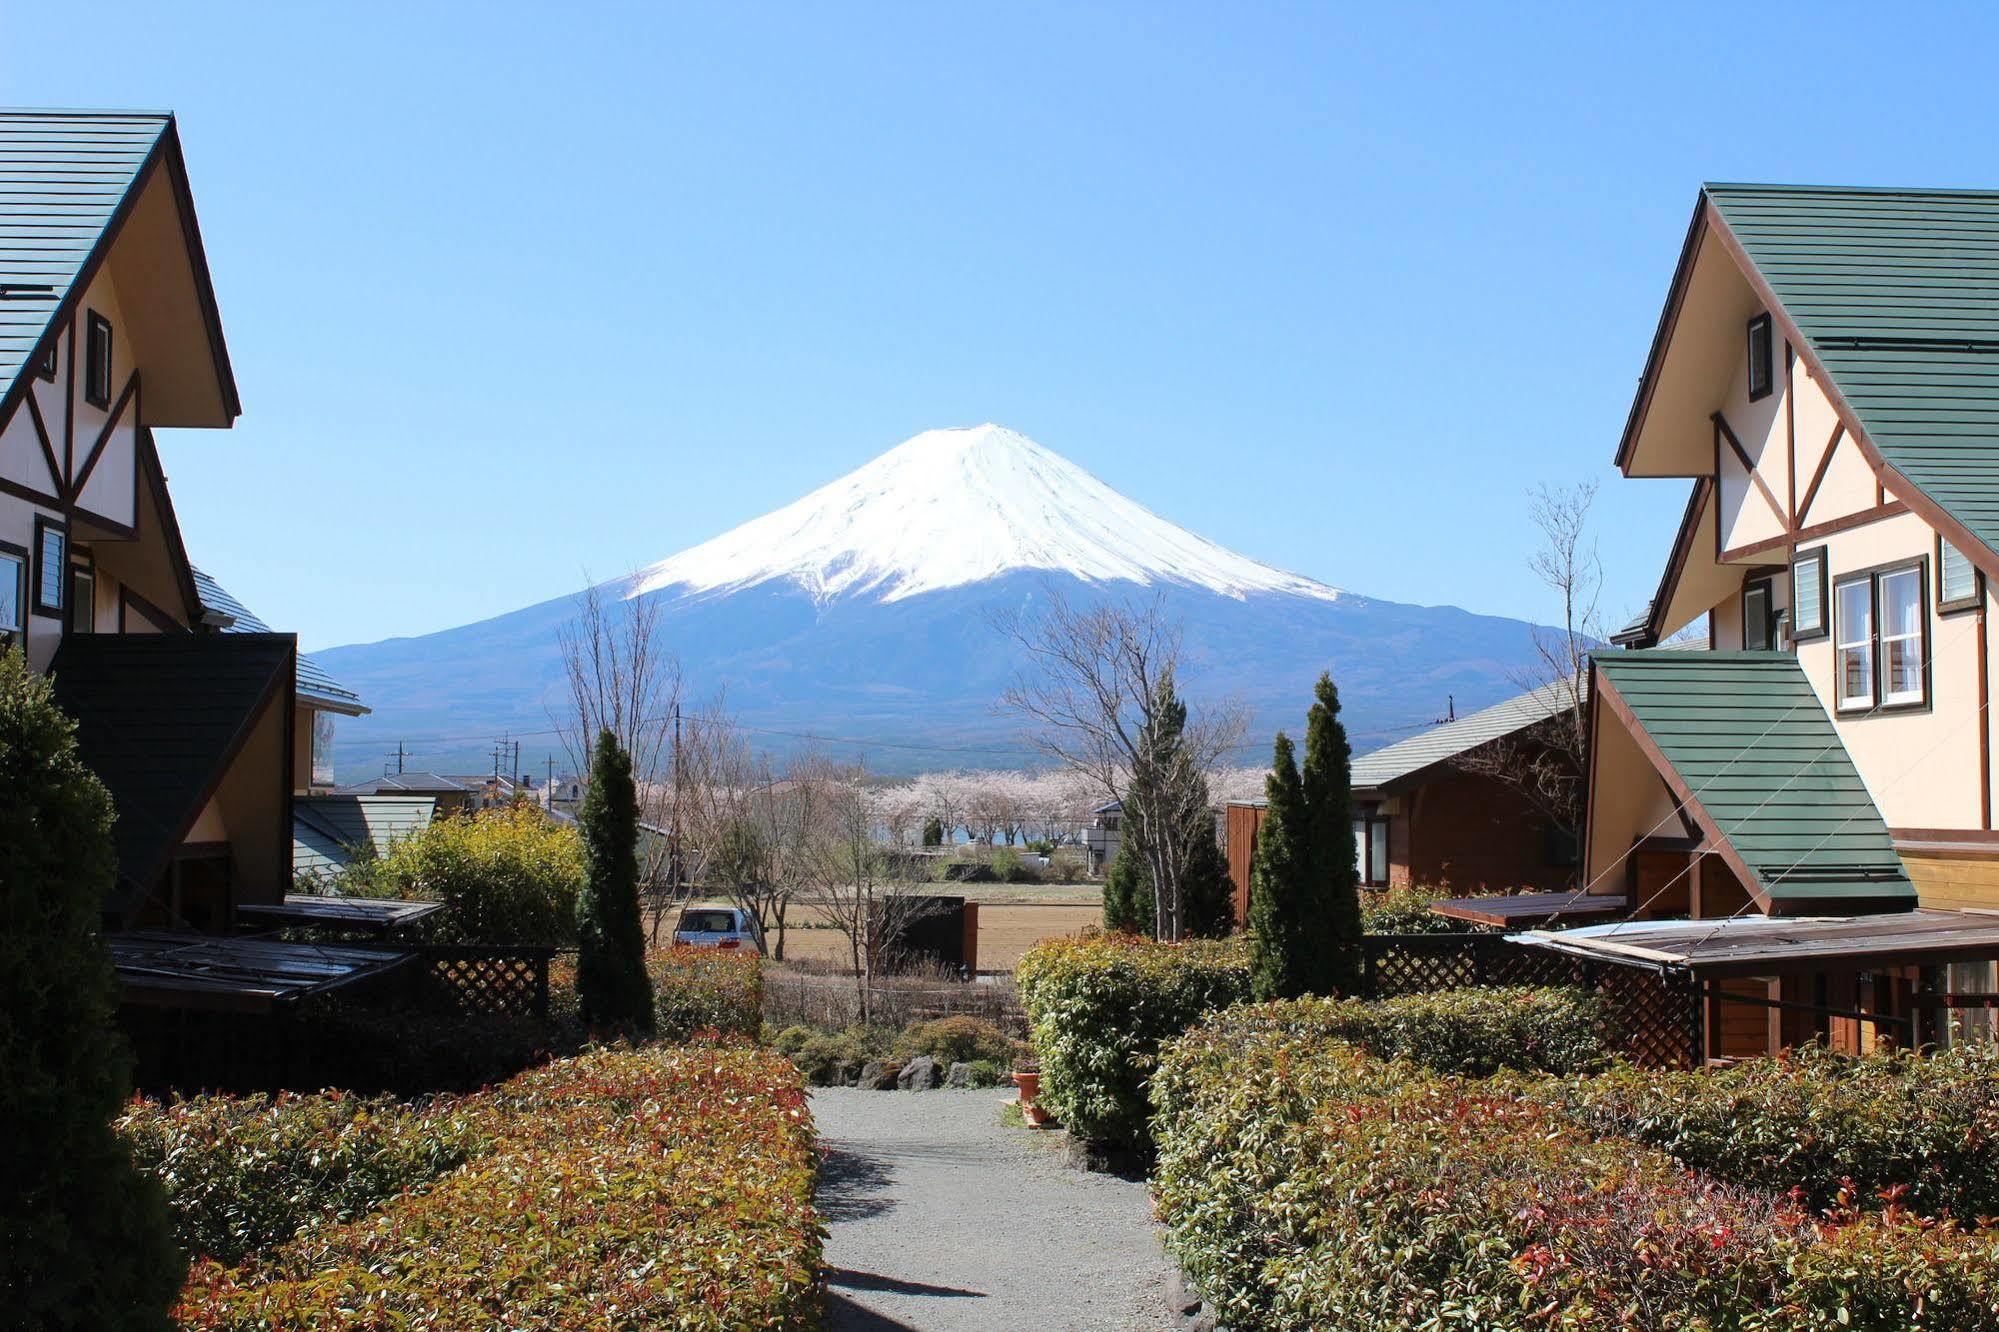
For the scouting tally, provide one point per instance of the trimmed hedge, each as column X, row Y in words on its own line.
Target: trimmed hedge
column 1102, row 1005
column 245, row 1174
column 663, row 1187
column 1893, row 1128
column 1475, row 1032
column 1307, row 1184
column 706, row 989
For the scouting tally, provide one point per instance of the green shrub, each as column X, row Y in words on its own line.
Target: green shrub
column 1101, row 1006
column 1406, row 910
column 244, row 1174
column 1918, row 1132
column 706, row 989
column 986, row 1073
column 957, row 1040
column 85, row 1241
column 821, row 1054
column 1307, row 1184
column 1475, row 1032
column 663, row 1187
column 507, row 875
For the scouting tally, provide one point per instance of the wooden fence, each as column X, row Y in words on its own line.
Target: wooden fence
column 510, row 981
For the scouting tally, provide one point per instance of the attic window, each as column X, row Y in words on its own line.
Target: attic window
column 46, row 367
column 97, row 361
column 1761, row 377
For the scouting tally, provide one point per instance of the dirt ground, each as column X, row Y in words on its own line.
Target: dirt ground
column 1006, row 930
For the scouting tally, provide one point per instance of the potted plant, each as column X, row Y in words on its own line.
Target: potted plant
column 1027, row 1078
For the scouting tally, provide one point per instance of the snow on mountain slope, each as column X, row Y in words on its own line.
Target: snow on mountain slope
column 953, row 507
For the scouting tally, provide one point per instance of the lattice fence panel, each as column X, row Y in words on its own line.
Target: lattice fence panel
column 511, row 983
column 1652, row 1021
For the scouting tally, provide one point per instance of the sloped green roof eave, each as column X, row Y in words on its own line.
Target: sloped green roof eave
column 1747, row 737
column 1897, row 293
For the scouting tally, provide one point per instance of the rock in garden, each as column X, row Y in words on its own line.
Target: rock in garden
column 877, row 1076
column 961, row 1076
column 919, row 1074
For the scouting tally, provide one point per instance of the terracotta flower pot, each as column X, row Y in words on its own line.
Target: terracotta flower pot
column 1030, row 1087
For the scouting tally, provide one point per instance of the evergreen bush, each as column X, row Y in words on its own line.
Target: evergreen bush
column 85, row 1240
column 1099, row 1009
column 1330, row 923
column 1277, row 882
column 612, row 988
column 1128, row 893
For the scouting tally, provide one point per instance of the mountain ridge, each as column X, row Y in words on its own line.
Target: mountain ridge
column 865, row 609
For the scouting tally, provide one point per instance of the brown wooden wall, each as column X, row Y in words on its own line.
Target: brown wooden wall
column 1239, row 827
column 1469, row 832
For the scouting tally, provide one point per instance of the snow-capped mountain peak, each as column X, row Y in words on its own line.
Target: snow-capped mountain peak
column 953, row 507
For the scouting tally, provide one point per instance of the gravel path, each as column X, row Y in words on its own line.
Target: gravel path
column 944, row 1220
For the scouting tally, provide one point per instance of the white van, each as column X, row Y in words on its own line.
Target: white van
column 718, row 927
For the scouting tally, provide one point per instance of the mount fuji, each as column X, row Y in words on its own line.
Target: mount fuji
column 864, row 612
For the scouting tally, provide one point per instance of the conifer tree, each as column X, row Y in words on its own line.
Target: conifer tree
column 933, row 831
column 1208, row 891
column 612, row 987
column 1278, row 970
column 1127, row 891
column 85, row 1241
column 1330, row 922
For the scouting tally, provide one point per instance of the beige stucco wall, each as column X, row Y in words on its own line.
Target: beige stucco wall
column 1628, row 801
column 1922, row 767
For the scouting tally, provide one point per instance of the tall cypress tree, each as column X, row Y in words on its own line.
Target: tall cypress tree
column 1330, row 917
column 1208, row 891
column 1127, row 892
column 612, row 987
column 84, row 1237
column 1277, row 882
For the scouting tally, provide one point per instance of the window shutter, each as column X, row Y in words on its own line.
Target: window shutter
column 1957, row 580
column 1808, row 594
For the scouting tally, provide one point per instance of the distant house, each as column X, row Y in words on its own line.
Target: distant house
column 330, row 831
column 1421, row 817
column 450, row 795
column 1101, row 838
column 318, row 698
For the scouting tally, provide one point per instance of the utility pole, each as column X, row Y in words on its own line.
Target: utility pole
column 398, row 756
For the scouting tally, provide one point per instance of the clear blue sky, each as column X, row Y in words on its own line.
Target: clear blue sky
column 520, row 292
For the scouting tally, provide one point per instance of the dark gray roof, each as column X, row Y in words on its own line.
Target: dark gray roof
column 159, row 717
column 1439, row 744
column 1774, row 945
column 315, row 684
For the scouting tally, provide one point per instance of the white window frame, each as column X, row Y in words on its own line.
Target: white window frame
column 1846, row 639
column 1368, row 827
column 1918, row 636
column 15, row 563
column 1875, row 641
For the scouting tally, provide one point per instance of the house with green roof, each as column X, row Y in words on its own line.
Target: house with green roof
column 1825, row 382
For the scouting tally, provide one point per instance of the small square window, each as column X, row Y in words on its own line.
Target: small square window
column 1762, row 376
column 97, row 360
column 1957, row 578
column 51, row 566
